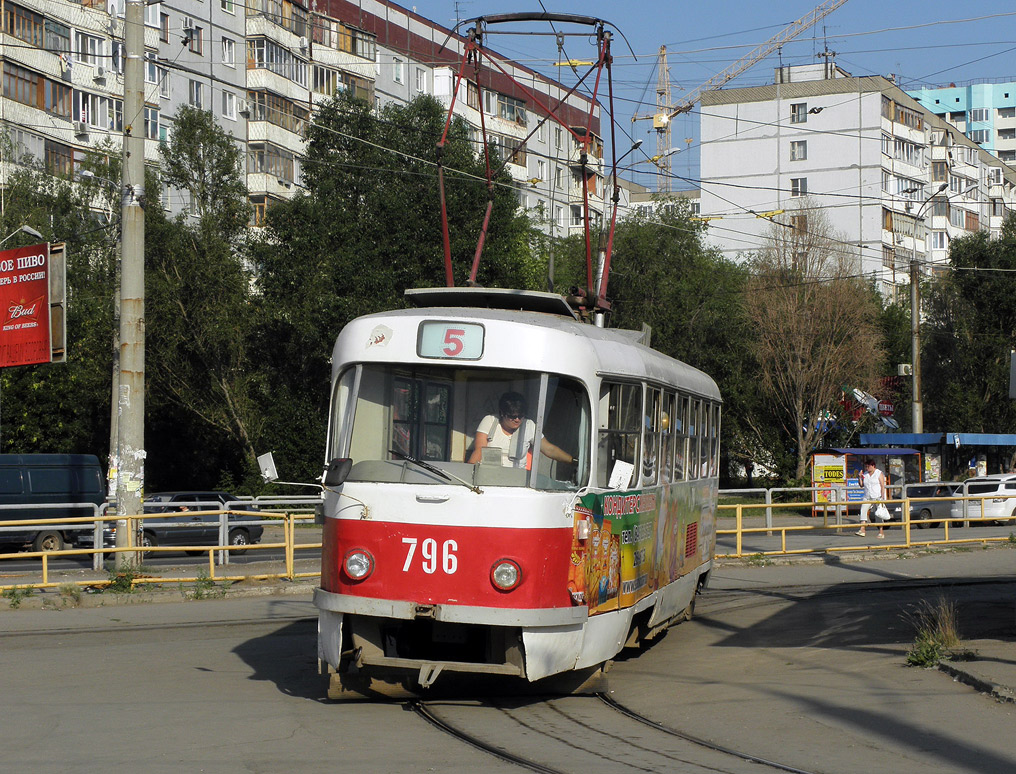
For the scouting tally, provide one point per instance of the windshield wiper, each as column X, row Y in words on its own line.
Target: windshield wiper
column 437, row 471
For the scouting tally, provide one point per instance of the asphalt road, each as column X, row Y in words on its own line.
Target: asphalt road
column 801, row 664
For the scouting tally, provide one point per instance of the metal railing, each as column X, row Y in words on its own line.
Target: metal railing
column 818, row 533
column 102, row 520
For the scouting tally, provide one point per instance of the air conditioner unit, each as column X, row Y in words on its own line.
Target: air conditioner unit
column 243, row 107
column 99, row 74
column 904, row 369
column 188, row 23
column 80, row 129
column 303, row 44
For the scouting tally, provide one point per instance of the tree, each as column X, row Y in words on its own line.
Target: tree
column 64, row 407
column 969, row 332
column 366, row 228
column 816, row 325
column 663, row 275
column 203, row 379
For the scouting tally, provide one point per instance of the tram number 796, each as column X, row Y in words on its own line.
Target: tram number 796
column 429, row 555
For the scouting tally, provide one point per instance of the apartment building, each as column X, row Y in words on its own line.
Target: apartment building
column 895, row 182
column 259, row 66
column 984, row 112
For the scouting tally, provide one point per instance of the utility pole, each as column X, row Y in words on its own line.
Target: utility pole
column 915, row 344
column 131, row 398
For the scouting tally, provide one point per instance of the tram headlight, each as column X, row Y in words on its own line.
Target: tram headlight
column 358, row 564
column 505, row 574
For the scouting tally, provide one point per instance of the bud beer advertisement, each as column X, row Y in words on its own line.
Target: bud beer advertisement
column 24, row 306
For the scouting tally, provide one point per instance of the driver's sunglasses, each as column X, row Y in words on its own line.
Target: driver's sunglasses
column 513, row 416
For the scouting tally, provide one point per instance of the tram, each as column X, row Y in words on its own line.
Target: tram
column 510, row 490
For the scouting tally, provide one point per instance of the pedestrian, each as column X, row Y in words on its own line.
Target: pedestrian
column 874, row 487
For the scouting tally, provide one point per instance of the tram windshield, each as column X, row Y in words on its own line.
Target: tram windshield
column 479, row 425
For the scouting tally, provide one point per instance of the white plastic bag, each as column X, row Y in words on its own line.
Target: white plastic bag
column 881, row 512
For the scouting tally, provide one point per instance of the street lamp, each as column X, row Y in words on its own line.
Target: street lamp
column 26, row 229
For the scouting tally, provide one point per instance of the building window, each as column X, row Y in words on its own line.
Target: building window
column 541, row 132
column 268, row 159
column 979, row 114
column 421, row 79
column 59, row 158
column 798, row 150
column 229, row 52
column 151, row 68
column 541, row 171
column 558, row 137
column 228, row 105
column 511, row 109
column 24, row 25
column 227, row 6
column 397, row 74
column 164, row 27
column 981, row 136
column 266, row 106
column 90, row 50
column 559, row 178
column 195, row 37
column 195, row 95
column 576, row 215
column 152, row 14
column 559, row 215
column 938, row 240
column 262, row 53
column 58, row 37
column 939, row 171
column 798, row 186
column 798, row 112
column 152, row 123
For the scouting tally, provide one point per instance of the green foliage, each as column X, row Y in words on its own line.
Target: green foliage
column 15, row 595
column 65, row 407
column 122, row 581
column 937, row 627
column 970, row 329
column 368, row 227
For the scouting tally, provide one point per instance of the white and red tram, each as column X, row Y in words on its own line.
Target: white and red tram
column 517, row 563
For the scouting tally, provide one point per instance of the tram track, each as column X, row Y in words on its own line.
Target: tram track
column 584, row 734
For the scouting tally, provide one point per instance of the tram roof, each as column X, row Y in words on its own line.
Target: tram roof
column 606, row 351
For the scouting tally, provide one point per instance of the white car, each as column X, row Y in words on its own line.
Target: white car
column 1000, row 505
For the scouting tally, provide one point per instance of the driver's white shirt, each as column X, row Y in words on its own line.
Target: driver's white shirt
column 498, row 438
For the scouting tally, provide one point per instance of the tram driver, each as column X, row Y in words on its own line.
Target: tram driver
column 511, row 432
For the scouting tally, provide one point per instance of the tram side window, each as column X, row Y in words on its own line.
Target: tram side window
column 679, row 423
column 667, row 420
column 620, row 428
column 651, row 458
column 714, row 440
column 694, row 431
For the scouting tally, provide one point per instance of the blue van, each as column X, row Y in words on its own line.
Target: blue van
column 31, row 480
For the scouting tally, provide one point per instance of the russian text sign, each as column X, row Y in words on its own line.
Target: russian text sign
column 24, row 306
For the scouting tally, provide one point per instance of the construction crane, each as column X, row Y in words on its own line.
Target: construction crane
column 666, row 112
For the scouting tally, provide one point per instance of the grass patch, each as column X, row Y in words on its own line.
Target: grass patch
column 72, row 593
column 758, row 560
column 17, row 594
column 937, row 627
column 122, row 581
column 206, row 588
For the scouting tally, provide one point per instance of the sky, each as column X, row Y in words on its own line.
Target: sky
column 920, row 43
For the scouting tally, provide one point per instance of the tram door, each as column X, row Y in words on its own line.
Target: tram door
column 420, row 417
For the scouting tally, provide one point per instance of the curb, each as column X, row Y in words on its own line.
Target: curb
column 998, row 692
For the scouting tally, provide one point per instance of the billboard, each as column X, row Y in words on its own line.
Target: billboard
column 32, row 300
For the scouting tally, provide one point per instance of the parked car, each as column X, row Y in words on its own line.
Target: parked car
column 180, row 526
column 1000, row 506
column 49, row 486
column 921, row 509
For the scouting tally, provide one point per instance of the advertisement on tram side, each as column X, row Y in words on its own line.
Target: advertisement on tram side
column 628, row 544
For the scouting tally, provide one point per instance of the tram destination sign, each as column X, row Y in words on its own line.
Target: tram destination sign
column 32, row 301
column 447, row 340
